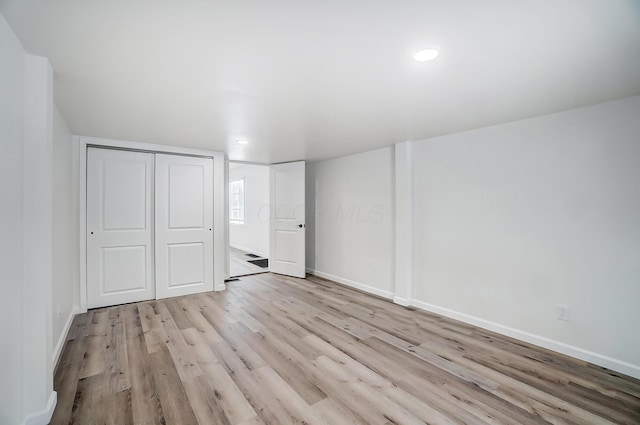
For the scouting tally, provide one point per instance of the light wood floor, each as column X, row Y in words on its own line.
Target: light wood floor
column 239, row 266
column 279, row 350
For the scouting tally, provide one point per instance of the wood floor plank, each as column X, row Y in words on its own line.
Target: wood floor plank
column 178, row 313
column 529, row 398
column 146, row 408
column 183, row 357
column 154, row 333
column 628, row 415
column 278, row 350
column 198, row 321
column 366, row 396
column 80, row 326
column 263, row 402
column 176, row 406
column 87, row 404
column 289, row 363
column 204, row 403
column 465, row 395
column 332, row 412
column 418, row 408
column 220, row 390
column 116, row 364
column 437, row 361
column 231, row 333
column 289, row 400
column 93, row 362
column 118, row 411
column 456, row 407
column 66, row 379
column 284, row 330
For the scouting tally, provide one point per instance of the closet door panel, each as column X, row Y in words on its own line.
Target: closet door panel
column 184, row 225
column 119, row 227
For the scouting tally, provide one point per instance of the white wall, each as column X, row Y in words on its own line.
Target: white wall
column 37, row 229
column 350, row 220
column 65, row 232
column 512, row 220
column 497, row 227
column 253, row 235
column 26, row 162
column 12, row 69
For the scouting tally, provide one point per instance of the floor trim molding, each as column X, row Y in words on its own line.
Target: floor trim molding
column 550, row 344
column 405, row 302
column 43, row 417
column 353, row 284
column 63, row 337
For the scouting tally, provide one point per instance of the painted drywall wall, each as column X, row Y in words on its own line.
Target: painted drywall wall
column 253, row 235
column 37, row 201
column 350, row 220
column 11, row 134
column 65, row 233
column 26, row 162
column 511, row 221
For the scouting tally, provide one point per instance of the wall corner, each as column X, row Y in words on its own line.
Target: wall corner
column 403, row 224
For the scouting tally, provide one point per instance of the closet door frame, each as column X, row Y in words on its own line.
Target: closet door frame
column 220, row 230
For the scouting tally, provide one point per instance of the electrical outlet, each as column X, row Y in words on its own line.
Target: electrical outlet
column 562, row 312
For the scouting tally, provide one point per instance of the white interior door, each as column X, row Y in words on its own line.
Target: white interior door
column 119, row 227
column 184, row 225
column 287, row 254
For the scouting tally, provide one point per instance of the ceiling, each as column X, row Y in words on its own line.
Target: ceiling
column 302, row 79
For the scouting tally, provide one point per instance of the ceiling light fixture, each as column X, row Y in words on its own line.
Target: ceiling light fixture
column 426, row 55
column 242, row 142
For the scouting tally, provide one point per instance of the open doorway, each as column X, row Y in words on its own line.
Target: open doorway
column 249, row 197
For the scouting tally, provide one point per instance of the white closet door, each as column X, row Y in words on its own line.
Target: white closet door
column 184, row 225
column 119, row 227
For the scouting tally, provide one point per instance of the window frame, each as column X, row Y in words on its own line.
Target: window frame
column 242, row 208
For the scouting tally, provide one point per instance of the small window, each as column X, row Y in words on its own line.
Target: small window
column 236, row 202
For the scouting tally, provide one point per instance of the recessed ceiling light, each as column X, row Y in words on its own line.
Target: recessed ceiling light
column 426, row 55
column 242, row 142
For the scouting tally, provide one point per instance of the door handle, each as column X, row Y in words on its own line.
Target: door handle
column 301, row 225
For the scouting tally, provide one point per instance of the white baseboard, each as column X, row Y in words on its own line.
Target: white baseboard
column 220, row 287
column 405, row 302
column 43, row 417
column 57, row 351
column 560, row 347
column 250, row 251
column 353, row 284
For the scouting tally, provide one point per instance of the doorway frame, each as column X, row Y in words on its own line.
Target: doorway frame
column 228, row 246
column 220, row 206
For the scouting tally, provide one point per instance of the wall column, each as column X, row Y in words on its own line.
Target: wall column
column 39, row 397
column 404, row 224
